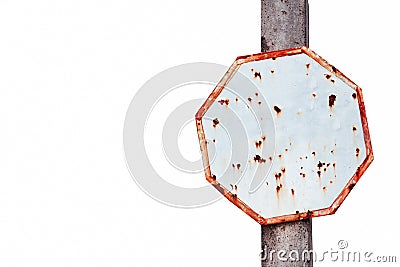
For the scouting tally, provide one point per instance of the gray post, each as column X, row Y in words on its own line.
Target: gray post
column 284, row 24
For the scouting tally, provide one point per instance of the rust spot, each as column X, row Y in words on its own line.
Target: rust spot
column 332, row 99
column 324, row 188
column 314, row 95
column 303, row 175
column 319, row 165
column 334, row 165
column 236, row 187
column 301, row 167
column 334, row 69
column 263, row 137
column 259, row 159
column 327, row 165
column 214, row 140
column 332, row 151
column 272, row 71
column 237, row 99
column 238, row 166
column 277, row 110
column 357, row 152
column 354, row 129
column 292, row 191
column 257, row 75
column 354, row 95
column 278, row 188
column 308, row 65
column 249, row 99
column 256, row 94
column 283, row 169
column 351, row 186
column 224, row 101
column 286, row 149
column 270, row 158
column 215, row 122
column 274, row 58
column 313, row 153
column 309, row 214
column 280, row 156
column 233, row 165
column 214, row 177
column 328, row 76
column 259, row 103
column 258, row 144
column 331, row 182
column 319, row 174
column 324, row 169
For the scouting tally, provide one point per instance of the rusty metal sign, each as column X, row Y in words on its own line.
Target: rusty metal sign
column 284, row 136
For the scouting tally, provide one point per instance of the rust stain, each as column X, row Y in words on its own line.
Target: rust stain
column 357, row 152
column 292, row 190
column 328, row 76
column 215, row 122
column 258, row 144
column 224, row 102
column 332, row 99
column 257, row 75
column 354, row 95
column 272, row 71
column 277, row 110
column 259, row 159
column 308, row 65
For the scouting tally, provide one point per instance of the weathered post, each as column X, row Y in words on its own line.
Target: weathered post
column 284, row 24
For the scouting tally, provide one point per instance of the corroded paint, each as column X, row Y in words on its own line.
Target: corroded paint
column 294, row 141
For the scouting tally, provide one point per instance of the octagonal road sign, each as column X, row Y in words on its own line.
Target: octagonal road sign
column 284, row 136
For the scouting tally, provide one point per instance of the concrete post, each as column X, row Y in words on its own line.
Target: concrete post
column 284, row 24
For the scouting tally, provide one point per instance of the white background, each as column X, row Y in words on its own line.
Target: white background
column 68, row 71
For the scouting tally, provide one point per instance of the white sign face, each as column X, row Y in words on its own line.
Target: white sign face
column 284, row 136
